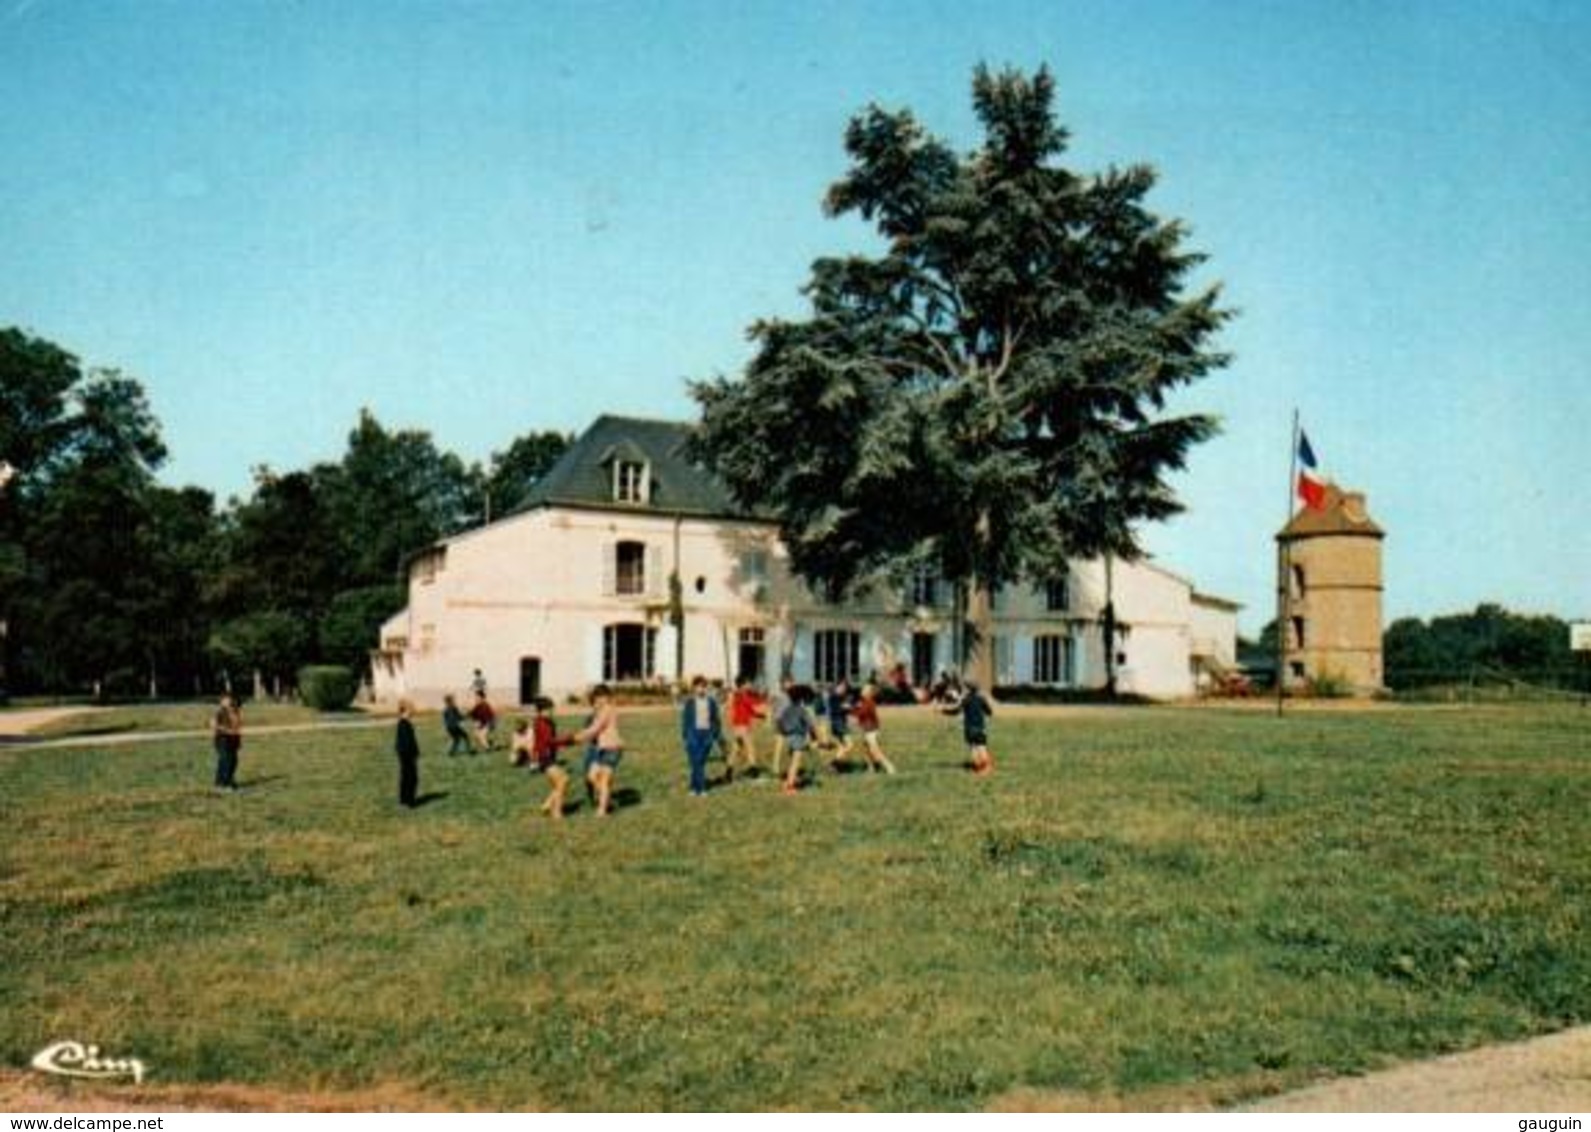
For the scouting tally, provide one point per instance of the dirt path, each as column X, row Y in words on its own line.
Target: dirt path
column 1544, row 1075
column 14, row 724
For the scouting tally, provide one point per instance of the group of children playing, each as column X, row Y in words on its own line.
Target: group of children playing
column 805, row 721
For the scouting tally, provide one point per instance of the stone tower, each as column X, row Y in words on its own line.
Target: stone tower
column 1329, row 583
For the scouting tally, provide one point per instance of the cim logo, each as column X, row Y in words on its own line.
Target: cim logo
column 74, row 1059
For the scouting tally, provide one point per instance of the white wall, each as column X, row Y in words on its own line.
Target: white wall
column 539, row 585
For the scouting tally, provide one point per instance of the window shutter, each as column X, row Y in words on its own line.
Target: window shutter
column 654, row 571
column 610, row 569
column 663, row 660
column 593, row 669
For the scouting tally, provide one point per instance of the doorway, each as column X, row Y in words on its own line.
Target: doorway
column 529, row 679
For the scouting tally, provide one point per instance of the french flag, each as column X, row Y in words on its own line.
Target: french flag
column 1311, row 487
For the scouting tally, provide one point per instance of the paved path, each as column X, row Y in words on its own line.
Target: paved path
column 16, row 726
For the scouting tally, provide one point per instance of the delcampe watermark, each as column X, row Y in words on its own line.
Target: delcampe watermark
column 74, row 1059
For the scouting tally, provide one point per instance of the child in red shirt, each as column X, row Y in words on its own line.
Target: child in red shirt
column 867, row 720
column 745, row 708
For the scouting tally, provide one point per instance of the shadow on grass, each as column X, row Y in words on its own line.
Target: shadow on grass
column 427, row 798
column 263, row 780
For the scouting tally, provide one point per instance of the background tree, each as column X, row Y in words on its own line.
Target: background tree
column 35, row 378
column 390, row 495
column 88, row 541
column 513, row 472
column 1487, row 642
column 987, row 394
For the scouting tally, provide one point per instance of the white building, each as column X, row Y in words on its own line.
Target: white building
column 575, row 589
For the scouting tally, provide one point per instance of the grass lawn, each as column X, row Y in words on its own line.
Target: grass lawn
column 1141, row 903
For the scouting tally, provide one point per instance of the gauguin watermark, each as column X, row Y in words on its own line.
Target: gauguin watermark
column 74, row 1059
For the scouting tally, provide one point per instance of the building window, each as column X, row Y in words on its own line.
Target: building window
column 429, row 565
column 1298, row 633
column 925, row 589
column 753, row 654
column 1049, row 659
column 1057, row 595
column 1297, row 573
column 754, row 564
column 629, row 481
column 628, row 652
column 629, row 568
column 836, row 655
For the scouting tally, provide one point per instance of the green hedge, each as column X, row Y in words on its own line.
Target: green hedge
column 327, row 687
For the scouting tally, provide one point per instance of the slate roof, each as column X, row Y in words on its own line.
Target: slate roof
column 583, row 475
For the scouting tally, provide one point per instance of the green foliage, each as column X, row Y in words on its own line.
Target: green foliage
column 1490, row 642
column 1329, row 686
column 393, row 493
column 514, row 471
column 327, row 687
column 1152, row 905
column 987, row 395
column 352, row 622
column 271, row 642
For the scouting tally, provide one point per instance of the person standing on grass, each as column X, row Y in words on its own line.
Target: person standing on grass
column 975, row 710
column 226, row 731
column 867, row 721
column 796, row 729
column 478, row 685
column 453, row 724
column 407, row 746
column 701, row 729
column 605, row 747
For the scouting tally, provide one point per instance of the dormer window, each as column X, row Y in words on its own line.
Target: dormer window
column 630, row 481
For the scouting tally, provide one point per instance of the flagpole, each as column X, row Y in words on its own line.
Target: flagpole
column 1282, row 579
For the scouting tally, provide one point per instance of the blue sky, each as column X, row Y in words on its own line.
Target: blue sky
column 483, row 218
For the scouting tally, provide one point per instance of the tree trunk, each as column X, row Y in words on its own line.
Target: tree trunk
column 980, row 643
column 1109, row 627
column 980, row 611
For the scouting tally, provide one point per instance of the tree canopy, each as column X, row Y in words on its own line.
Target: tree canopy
column 985, row 394
column 110, row 580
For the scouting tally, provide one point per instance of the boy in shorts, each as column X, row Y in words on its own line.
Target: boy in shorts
column 796, row 730
column 605, row 747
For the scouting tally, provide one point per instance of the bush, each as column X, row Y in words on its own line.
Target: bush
column 1329, row 686
column 327, row 687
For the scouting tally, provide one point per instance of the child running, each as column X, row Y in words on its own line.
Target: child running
column 796, row 728
column 539, row 742
column 453, row 724
column 777, row 702
column 745, row 708
column 975, row 710
column 605, row 747
column 485, row 720
column 867, row 720
column 837, row 707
